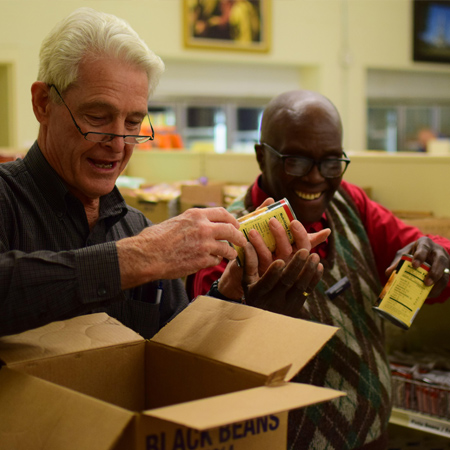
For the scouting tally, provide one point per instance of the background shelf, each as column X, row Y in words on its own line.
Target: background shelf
column 421, row 422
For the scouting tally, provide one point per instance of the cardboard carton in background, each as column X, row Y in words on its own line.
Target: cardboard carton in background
column 216, row 377
column 197, row 195
column 156, row 210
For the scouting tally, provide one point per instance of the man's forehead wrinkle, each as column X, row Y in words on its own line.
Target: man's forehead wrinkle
column 109, row 107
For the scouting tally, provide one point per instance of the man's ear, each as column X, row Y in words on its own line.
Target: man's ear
column 40, row 98
column 259, row 150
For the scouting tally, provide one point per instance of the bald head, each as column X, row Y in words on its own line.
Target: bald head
column 304, row 126
column 299, row 107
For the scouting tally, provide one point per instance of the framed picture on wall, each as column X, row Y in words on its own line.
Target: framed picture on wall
column 431, row 31
column 227, row 24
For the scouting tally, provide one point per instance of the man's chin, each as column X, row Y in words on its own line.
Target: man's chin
column 308, row 211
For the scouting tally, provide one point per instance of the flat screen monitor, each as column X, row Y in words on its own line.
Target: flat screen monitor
column 431, row 30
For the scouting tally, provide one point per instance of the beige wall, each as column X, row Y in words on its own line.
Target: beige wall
column 399, row 181
column 332, row 44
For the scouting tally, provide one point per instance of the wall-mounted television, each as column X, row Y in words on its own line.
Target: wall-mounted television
column 431, row 30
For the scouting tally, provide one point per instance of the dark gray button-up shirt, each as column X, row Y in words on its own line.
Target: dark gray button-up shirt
column 53, row 267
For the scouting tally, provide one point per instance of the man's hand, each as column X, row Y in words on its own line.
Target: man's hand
column 177, row 247
column 426, row 250
column 284, row 249
column 282, row 289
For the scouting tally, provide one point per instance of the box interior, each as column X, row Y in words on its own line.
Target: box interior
column 176, row 376
column 113, row 374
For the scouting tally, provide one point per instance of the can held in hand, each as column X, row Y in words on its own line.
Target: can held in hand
column 259, row 220
column 404, row 293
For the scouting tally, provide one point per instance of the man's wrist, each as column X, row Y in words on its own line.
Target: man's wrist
column 215, row 292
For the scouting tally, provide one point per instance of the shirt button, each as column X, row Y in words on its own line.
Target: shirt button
column 101, row 292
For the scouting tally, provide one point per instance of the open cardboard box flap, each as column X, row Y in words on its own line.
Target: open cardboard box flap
column 246, row 337
column 30, row 405
column 64, row 337
column 239, row 406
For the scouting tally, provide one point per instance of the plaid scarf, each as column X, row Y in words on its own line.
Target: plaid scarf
column 354, row 360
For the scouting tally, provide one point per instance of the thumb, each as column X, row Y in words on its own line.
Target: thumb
column 319, row 237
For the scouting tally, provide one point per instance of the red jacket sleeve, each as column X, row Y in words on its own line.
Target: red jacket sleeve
column 200, row 282
column 388, row 234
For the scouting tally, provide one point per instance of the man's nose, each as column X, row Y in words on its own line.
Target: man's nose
column 117, row 143
column 314, row 173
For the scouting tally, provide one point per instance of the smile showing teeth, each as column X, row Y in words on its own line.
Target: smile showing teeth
column 306, row 196
column 103, row 166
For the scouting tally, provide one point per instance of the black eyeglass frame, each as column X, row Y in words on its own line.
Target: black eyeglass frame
column 314, row 162
column 139, row 138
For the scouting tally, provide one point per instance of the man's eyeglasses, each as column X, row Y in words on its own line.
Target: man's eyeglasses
column 95, row 136
column 300, row 166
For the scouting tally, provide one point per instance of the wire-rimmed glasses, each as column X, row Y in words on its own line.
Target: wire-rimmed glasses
column 95, row 136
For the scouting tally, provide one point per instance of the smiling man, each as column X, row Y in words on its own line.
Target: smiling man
column 301, row 158
column 69, row 244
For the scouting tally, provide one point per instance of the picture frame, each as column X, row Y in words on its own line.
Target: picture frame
column 431, row 31
column 235, row 25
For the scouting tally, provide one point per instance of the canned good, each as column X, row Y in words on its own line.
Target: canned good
column 259, row 221
column 404, row 293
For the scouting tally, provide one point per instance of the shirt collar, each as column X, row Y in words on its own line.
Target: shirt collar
column 48, row 181
column 55, row 191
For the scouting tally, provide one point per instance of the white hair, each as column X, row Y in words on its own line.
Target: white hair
column 87, row 32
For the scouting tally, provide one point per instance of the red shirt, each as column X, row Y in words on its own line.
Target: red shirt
column 387, row 234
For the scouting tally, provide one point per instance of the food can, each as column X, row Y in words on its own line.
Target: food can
column 404, row 293
column 259, row 221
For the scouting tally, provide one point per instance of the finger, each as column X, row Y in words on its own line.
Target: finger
column 303, row 278
column 251, row 273
column 319, row 237
column 425, row 250
column 223, row 249
column 301, row 237
column 421, row 252
column 204, row 262
column 294, row 269
column 393, row 265
column 268, row 281
column 230, row 282
column 306, row 281
column 315, row 279
column 283, row 249
column 226, row 232
column 439, row 262
column 268, row 201
column 265, row 257
column 219, row 215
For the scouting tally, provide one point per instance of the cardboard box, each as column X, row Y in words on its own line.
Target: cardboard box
column 198, row 195
column 156, row 211
column 216, row 377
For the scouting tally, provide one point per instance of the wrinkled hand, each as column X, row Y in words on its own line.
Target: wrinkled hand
column 177, row 247
column 426, row 250
column 281, row 288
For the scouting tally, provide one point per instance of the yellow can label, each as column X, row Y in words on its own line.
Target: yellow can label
column 404, row 293
column 259, row 220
